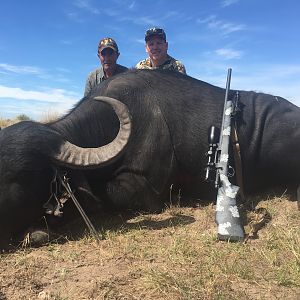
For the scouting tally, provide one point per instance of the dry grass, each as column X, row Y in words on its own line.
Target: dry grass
column 48, row 116
column 7, row 122
column 172, row 255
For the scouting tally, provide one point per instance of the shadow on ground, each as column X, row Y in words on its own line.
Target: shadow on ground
column 122, row 222
column 116, row 222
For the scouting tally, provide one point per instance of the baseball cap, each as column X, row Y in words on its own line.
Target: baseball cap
column 155, row 31
column 108, row 43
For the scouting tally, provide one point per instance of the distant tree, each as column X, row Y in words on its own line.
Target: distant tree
column 22, row 117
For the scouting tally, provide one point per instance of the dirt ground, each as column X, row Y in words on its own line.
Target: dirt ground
column 172, row 255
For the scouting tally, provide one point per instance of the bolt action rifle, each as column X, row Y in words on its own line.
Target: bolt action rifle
column 227, row 214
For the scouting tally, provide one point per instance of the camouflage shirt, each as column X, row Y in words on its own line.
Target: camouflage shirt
column 98, row 76
column 170, row 64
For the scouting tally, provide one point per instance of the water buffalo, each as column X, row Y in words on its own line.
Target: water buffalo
column 162, row 140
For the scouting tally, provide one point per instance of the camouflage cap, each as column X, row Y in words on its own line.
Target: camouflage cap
column 108, row 43
column 155, row 31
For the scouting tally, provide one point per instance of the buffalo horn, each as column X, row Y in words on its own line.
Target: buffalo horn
column 73, row 155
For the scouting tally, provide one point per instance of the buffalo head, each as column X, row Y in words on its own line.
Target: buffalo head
column 28, row 153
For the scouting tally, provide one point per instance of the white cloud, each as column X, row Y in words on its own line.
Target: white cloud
column 55, row 100
column 51, row 95
column 175, row 15
column 67, row 42
column 85, row 4
column 206, row 20
column 75, row 17
column 140, row 41
column 274, row 86
column 63, row 70
column 280, row 80
column 58, row 76
column 21, row 69
column 144, row 20
column 32, row 110
column 131, row 6
column 285, row 70
column 227, row 53
column 228, row 2
column 224, row 27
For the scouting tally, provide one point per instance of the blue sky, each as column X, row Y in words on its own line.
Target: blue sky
column 47, row 48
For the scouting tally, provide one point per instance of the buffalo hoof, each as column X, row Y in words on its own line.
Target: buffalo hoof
column 39, row 237
column 35, row 238
column 298, row 197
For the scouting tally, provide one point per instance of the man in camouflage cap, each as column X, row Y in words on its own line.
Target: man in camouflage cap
column 108, row 53
column 157, row 47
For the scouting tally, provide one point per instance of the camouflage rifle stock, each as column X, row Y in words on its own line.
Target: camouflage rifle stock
column 227, row 214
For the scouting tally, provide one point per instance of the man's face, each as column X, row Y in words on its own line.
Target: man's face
column 157, row 48
column 108, row 58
